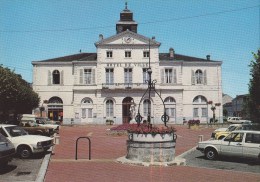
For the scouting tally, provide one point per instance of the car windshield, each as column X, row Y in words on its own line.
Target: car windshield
column 15, row 131
column 3, row 139
column 231, row 128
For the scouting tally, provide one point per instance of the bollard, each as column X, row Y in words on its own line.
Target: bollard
column 200, row 138
column 56, row 140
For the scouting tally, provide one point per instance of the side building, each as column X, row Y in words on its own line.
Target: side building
column 94, row 87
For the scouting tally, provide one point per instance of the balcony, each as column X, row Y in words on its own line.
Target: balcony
column 124, row 86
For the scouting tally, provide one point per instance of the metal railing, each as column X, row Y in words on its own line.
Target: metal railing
column 123, row 85
column 89, row 144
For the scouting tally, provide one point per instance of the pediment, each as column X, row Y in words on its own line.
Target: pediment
column 127, row 38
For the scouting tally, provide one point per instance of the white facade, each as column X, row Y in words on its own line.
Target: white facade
column 95, row 87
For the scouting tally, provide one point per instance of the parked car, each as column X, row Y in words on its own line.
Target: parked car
column 45, row 122
column 25, row 144
column 48, row 121
column 228, row 129
column 7, row 151
column 238, row 120
column 234, row 127
column 35, row 129
column 236, row 144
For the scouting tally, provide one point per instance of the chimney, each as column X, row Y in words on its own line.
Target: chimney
column 208, row 57
column 101, row 37
column 171, row 51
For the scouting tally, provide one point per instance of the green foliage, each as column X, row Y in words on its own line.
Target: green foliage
column 16, row 94
column 254, row 89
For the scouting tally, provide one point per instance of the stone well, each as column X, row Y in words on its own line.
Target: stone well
column 151, row 148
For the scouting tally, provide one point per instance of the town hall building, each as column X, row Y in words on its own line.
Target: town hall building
column 91, row 88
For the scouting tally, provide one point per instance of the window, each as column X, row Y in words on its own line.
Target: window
column 145, row 75
column 168, row 76
column 127, row 54
column 204, row 112
column 55, row 77
column 200, row 108
column 147, row 107
column 253, row 138
column 199, row 77
column 128, row 75
column 86, row 108
column 84, row 113
column 87, row 76
column 200, row 99
column 195, row 112
column 109, row 54
column 3, row 132
column 170, row 106
column 109, row 108
column 89, row 113
column 146, row 54
column 109, row 76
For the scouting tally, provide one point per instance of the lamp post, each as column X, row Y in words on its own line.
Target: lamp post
column 213, row 108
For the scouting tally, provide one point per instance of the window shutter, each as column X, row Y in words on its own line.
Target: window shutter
column 93, row 76
column 192, row 77
column 205, row 77
column 81, row 76
column 174, row 76
column 49, row 77
column 162, row 75
column 131, row 77
column 61, row 77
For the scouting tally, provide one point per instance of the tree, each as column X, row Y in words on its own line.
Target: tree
column 16, row 94
column 254, row 89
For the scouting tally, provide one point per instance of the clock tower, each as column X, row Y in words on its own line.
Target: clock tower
column 126, row 21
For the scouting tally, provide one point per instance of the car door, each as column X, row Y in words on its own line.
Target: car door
column 232, row 145
column 252, row 145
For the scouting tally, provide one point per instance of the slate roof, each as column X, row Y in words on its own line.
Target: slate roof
column 93, row 57
column 179, row 57
column 74, row 57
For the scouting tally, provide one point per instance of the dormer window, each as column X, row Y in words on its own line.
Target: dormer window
column 109, row 54
column 146, row 54
column 127, row 54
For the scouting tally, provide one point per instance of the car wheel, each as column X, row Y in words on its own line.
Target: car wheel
column 211, row 154
column 24, row 152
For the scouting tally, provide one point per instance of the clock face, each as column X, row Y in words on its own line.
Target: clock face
column 128, row 39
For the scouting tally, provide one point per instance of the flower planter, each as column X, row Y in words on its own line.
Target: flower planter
column 151, row 147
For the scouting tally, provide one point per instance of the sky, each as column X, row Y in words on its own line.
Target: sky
column 229, row 31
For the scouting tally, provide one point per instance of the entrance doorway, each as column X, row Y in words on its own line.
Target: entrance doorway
column 126, row 109
column 55, row 109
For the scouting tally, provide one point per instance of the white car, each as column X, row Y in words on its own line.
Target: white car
column 238, row 120
column 238, row 143
column 25, row 145
column 56, row 127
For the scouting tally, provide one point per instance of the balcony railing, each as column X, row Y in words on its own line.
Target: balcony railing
column 124, row 85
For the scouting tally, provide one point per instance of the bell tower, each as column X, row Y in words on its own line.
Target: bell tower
column 126, row 21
